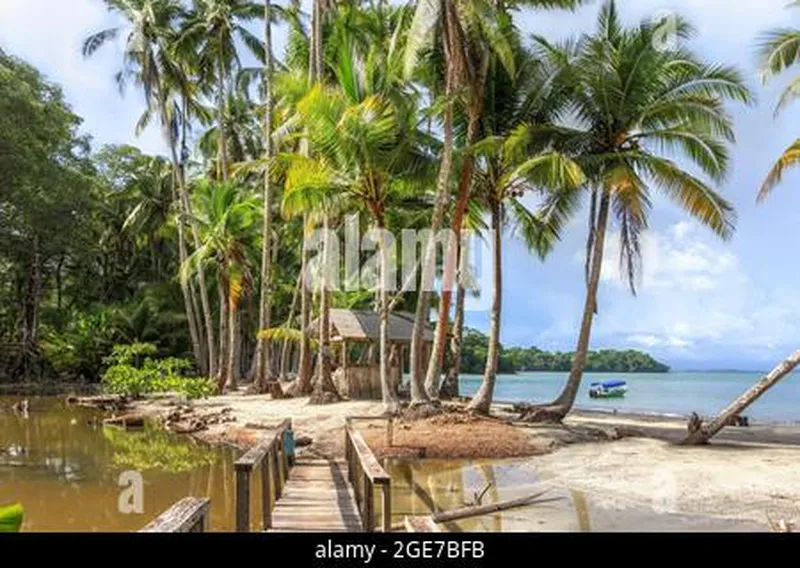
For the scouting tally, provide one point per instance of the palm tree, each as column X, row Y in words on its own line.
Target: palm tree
column 514, row 160
column 149, row 61
column 633, row 100
column 778, row 51
column 211, row 32
column 367, row 147
column 469, row 32
column 262, row 354
column 227, row 218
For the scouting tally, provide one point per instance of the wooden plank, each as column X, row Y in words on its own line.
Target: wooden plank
column 187, row 515
column 316, row 498
column 372, row 468
column 242, row 500
column 421, row 524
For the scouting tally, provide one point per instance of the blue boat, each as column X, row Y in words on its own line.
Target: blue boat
column 608, row 389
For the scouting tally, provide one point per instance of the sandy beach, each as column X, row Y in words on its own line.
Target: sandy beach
column 632, row 476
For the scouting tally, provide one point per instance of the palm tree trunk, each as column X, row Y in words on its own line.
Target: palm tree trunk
column 556, row 411
column 418, row 393
column 286, row 349
column 222, row 141
column 222, row 364
column 324, row 390
column 433, row 377
column 482, row 401
column 191, row 316
column 263, row 353
column 705, row 433
column 186, row 206
column 388, row 389
column 304, row 365
column 234, row 344
column 450, row 384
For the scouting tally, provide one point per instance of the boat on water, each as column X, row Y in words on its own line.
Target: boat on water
column 608, row 389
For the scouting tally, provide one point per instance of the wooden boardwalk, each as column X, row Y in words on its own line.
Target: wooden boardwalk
column 317, row 498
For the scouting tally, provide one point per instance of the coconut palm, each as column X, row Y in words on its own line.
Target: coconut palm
column 149, row 61
column 227, row 218
column 469, row 32
column 515, row 160
column 211, row 31
column 778, row 51
column 635, row 103
column 367, row 150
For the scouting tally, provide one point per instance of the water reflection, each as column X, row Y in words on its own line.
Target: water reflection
column 64, row 467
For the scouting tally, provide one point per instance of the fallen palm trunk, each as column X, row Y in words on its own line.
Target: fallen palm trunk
column 474, row 511
column 699, row 434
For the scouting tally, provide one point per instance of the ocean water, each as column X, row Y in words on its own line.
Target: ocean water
column 675, row 393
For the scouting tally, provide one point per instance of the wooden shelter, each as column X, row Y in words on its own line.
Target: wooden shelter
column 356, row 336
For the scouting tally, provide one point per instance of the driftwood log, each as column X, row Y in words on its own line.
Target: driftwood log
column 474, row 511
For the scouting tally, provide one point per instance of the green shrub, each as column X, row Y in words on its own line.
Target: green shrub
column 134, row 373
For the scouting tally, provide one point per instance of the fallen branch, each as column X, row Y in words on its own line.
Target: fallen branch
column 465, row 512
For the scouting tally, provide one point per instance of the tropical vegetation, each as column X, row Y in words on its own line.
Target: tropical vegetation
column 193, row 271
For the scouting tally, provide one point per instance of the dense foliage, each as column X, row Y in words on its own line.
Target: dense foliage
column 425, row 115
column 521, row 359
column 134, row 372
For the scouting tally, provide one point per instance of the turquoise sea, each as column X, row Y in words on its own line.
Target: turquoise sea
column 675, row 393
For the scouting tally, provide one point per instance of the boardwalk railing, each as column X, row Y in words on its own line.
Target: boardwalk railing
column 271, row 455
column 187, row 515
column 365, row 472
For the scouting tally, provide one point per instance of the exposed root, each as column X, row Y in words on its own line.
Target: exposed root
column 319, row 397
column 295, row 389
column 422, row 410
column 272, row 388
column 546, row 414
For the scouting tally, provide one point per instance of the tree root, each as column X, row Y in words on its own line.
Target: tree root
column 422, row 409
column 544, row 414
column 319, row 397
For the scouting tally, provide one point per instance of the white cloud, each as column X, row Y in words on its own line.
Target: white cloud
column 694, row 292
column 49, row 35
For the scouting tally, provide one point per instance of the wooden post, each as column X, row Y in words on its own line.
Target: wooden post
column 390, row 432
column 344, row 367
column 387, row 508
column 242, row 500
column 369, row 505
column 278, row 470
column 284, row 458
column 266, row 492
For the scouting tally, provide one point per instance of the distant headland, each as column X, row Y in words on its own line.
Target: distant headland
column 532, row 359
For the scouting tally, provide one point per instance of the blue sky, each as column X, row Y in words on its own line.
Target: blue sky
column 702, row 303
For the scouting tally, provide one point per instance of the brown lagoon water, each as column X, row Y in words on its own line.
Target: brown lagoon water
column 64, row 467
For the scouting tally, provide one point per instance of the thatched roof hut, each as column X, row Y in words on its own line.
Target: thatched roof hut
column 363, row 326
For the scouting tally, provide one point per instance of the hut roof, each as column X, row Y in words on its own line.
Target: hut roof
column 364, row 325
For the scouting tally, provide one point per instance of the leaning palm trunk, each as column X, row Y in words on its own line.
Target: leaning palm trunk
column 303, row 384
column 432, row 379
column 201, row 277
column 418, row 393
column 186, row 291
column 703, row 434
column 556, row 411
column 388, row 393
column 263, row 355
column 324, row 390
column 482, row 401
